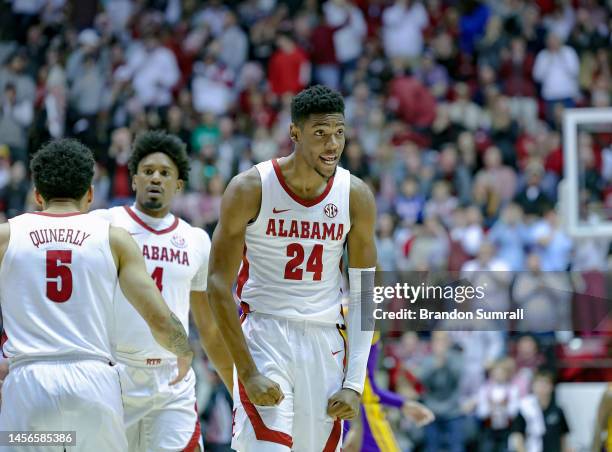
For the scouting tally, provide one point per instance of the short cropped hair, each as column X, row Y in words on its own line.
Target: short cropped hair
column 153, row 141
column 315, row 100
column 63, row 168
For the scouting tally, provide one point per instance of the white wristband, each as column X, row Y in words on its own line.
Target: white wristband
column 359, row 342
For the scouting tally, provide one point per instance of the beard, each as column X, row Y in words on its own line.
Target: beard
column 152, row 205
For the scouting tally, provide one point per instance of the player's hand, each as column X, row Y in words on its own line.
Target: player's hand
column 344, row 404
column 184, row 364
column 263, row 391
column 418, row 413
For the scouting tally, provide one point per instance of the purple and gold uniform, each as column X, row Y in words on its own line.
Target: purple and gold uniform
column 377, row 433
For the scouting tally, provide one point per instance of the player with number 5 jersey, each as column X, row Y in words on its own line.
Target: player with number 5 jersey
column 59, row 271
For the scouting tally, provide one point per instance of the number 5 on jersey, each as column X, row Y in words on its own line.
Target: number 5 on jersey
column 314, row 264
column 59, row 275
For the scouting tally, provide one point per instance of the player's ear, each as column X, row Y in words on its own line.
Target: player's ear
column 180, row 184
column 90, row 195
column 134, row 183
column 294, row 132
column 39, row 199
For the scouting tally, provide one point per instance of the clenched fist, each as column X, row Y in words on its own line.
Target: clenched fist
column 263, row 391
column 344, row 404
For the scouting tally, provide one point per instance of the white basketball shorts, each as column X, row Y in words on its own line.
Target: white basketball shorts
column 159, row 417
column 82, row 396
column 307, row 361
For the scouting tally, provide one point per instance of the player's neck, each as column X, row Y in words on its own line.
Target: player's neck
column 159, row 214
column 301, row 177
column 62, row 206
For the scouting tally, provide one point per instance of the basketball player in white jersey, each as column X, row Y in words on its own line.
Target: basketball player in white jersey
column 160, row 417
column 58, row 274
column 287, row 221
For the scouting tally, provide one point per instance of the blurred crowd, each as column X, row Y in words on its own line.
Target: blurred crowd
column 454, row 119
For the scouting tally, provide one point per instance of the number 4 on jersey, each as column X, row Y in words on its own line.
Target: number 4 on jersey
column 313, row 265
column 158, row 275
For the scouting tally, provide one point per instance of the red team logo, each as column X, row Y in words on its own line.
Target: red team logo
column 331, row 210
column 178, row 241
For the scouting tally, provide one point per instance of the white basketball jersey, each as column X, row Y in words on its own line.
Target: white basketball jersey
column 293, row 250
column 176, row 256
column 57, row 281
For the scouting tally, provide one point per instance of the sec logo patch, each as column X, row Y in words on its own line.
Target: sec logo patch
column 331, row 210
column 178, row 241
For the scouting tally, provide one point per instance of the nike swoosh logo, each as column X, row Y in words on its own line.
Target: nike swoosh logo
column 335, row 353
column 275, row 210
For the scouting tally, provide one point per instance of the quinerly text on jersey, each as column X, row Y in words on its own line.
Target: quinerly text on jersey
column 176, row 256
column 57, row 283
column 293, row 250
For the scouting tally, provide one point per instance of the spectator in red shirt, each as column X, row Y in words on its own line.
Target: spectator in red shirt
column 289, row 68
column 323, row 53
column 412, row 101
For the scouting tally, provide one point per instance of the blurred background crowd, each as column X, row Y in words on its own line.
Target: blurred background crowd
column 454, row 119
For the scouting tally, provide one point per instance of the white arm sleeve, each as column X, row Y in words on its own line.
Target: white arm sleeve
column 359, row 342
column 199, row 282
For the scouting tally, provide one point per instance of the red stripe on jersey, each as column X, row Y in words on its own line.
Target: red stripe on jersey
column 195, row 438
column 243, row 276
column 137, row 219
column 262, row 432
column 334, row 437
column 296, row 198
column 51, row 214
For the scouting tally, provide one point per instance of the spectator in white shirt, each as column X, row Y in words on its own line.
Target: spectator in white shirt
column 489, row 271
column 403, row 25
column 348, row 40
column 154, row 72
column 556, row 68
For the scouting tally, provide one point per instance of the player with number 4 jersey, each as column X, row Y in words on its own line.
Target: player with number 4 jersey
column 159, row 417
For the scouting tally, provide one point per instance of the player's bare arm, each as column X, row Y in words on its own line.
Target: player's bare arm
column 139, row 288
column 362, row 254
column 211, row 337
column 239, row 206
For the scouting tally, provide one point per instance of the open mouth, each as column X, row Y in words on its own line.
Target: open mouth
column 330, row 160
column 154, row 191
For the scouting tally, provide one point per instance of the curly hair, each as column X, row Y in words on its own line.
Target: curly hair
column 313, row 100
column 153, row 141
column 63, row 168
